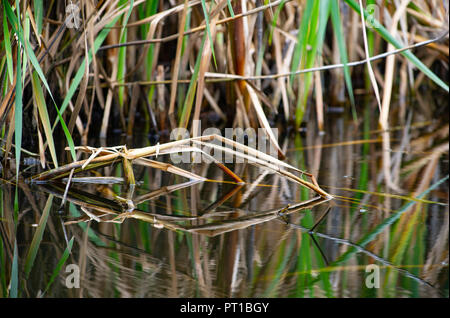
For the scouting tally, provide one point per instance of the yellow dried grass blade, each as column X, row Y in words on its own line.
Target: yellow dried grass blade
column 263, row 119
column 38, row 98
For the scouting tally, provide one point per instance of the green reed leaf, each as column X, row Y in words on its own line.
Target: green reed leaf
column 339, row 33
column 8, row 51
column 208, row 30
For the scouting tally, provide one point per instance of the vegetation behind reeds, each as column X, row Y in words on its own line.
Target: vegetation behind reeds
column 87, row 68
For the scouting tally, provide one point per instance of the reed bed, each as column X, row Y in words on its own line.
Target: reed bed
column 244, row 63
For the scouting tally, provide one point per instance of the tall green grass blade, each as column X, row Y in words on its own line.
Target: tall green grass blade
column 230, row 8
column 370, row 44
column 14, row 21
column 274, row 20
column 408, row 54
column 43, row 115
column 339, row 33
column 145, row 10
column 150, row 9
column 39, row 14
column 18, row 114
column 37, row 238
column 11, row 17
column 8, row 51
column 187, row 107
column 18, row 99
column 300, row 47
column 315, row 38
column 125, row 21
column 60, row 264
column 123, row 52
column 14, row 283
column 67, row 134
column 27, row 41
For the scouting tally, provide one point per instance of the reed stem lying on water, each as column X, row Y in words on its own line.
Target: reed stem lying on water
column 106, row 156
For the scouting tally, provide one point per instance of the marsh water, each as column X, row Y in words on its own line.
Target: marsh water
column 171, row 237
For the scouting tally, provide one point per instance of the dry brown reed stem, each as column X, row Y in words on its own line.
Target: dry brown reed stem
column 99, row 208
column 238, row 45
column 105, row 156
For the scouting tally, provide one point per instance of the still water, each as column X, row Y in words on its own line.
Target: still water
column 171, row 237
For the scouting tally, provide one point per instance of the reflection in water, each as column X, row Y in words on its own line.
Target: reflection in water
column 209, row 222
column 169, row 237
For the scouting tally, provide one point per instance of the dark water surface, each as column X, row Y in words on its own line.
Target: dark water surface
column 174, row 238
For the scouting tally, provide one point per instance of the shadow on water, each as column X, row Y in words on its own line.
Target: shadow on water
column 168, row 237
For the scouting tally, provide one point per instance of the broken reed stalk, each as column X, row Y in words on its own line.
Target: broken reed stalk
column 104, row 156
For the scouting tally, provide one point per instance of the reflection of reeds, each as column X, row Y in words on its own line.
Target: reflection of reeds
column 105, row 210
column 138, row 257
